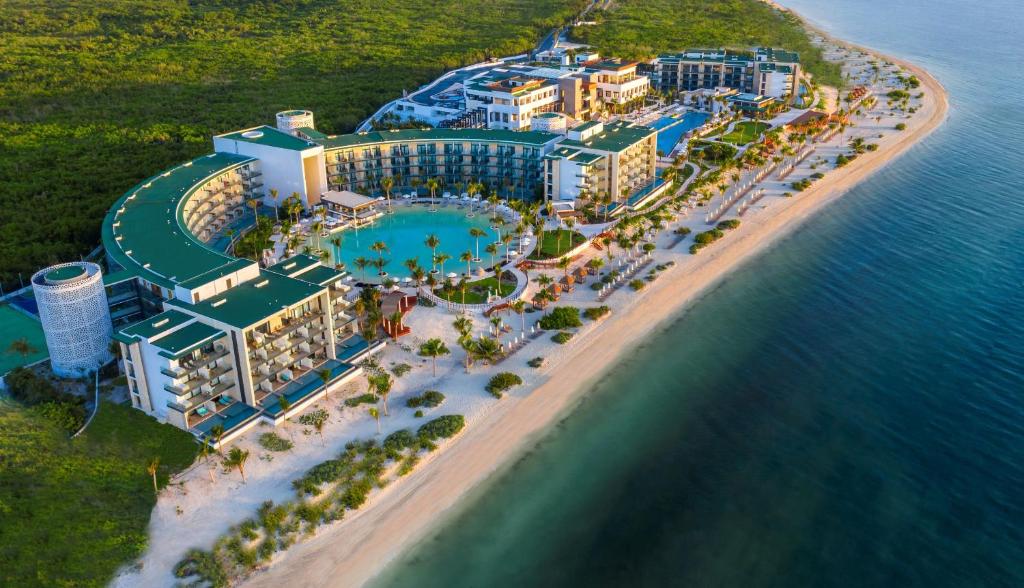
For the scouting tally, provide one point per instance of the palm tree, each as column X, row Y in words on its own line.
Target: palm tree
column 205, row 453
column 273, row 198
column 386, row 184
column 236, row 459
column 519, row 306
column 396, row 321
column 440, row 258
column 433, row 184
column 467, row 256
column 216, row 433
column 418, row 275
column 563, row 264
column 379, row 247
column 379, row 264
column 492, row 249
column 254, row 204
column 361, row 263
column 464, row 327
column 285, row 407
column 317, row 228
column 152, row 468
column 433, row 348
column 596, row 263
column 23, row 348
column 486, row 349
column 411, row 264
column 432, row 242
column 376, row 416
column 325, row 378
column 476, row 233
column 506, row 240
column 463, row 286
column 382, row 384
column 496, row 323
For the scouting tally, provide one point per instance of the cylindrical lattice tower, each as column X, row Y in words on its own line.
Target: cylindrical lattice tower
column 75, row 316
column 289, row 120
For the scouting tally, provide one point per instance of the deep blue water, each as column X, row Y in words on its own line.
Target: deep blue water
column 847, row 410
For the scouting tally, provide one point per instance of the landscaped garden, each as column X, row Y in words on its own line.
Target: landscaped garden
column 477, row 292
column 556, row 243
column 744, row 132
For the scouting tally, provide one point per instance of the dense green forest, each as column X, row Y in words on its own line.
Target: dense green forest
column 640, row 29
column 98, row 94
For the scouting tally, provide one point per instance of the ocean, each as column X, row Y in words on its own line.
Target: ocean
column 846, row 410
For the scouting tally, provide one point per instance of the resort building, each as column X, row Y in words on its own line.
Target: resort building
column 219, row 340
column 617, row 160
column 209, row 341
column 508, row 95
column 769, row 72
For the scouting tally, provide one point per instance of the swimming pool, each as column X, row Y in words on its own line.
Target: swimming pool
column 404, row 232
column 671, row 129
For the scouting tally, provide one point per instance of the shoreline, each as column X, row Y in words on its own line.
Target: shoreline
column 362, row 546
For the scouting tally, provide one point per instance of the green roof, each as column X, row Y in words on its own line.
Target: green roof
column 294, row 264
column 150, row 239
column 61, row 274
column 253, row 301
column 615, row 137
column 186, row 339
column 156, row 325
column 533, row 138
column 311, row 133
column 321, row 275
column 576, row 155
column 270, row 137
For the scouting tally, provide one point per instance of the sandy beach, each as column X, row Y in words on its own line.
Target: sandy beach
column 353, row 552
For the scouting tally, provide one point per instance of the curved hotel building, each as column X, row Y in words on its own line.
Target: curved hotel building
column 212, row 342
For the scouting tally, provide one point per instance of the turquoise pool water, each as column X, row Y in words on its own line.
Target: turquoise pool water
column 404, row 232
column 671, row 129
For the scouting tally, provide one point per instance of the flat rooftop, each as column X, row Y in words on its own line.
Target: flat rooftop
column 144, row 231
column 253, row 301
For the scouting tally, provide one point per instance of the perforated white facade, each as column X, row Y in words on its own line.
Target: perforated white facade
column 289, row 120
column 75, row 316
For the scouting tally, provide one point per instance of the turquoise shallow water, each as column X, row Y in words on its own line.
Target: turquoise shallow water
column 404, row 232
column 847, row 410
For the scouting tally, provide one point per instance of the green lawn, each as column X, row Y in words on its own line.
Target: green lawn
column 477, row 291
column 15, row 325
column 99, row 94
column 557, row 243
column 745, row 132
column 74, row 511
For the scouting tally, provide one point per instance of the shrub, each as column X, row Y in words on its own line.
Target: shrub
column 502, row 382
column 399, row 440
column 401, row 369
column 637, row 285
column 562, row 337
column 595, row 286
column 429, row 399
column 729, row 224
column 801, row 185
column 65, row 415
column 204, row 565
column 367, row 398
column 842, row 160
column 274, row 442
column 648, row 247
column 536, row 362
column 442, row 427
column 682, row 231
column 901, row 126
column 708, row 237
column 817, row 175
column 562, row 317
column 595, row 312
column 418, row 414
column 311, row 418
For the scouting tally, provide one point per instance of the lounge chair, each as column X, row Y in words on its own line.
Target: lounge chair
column 201, row 411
